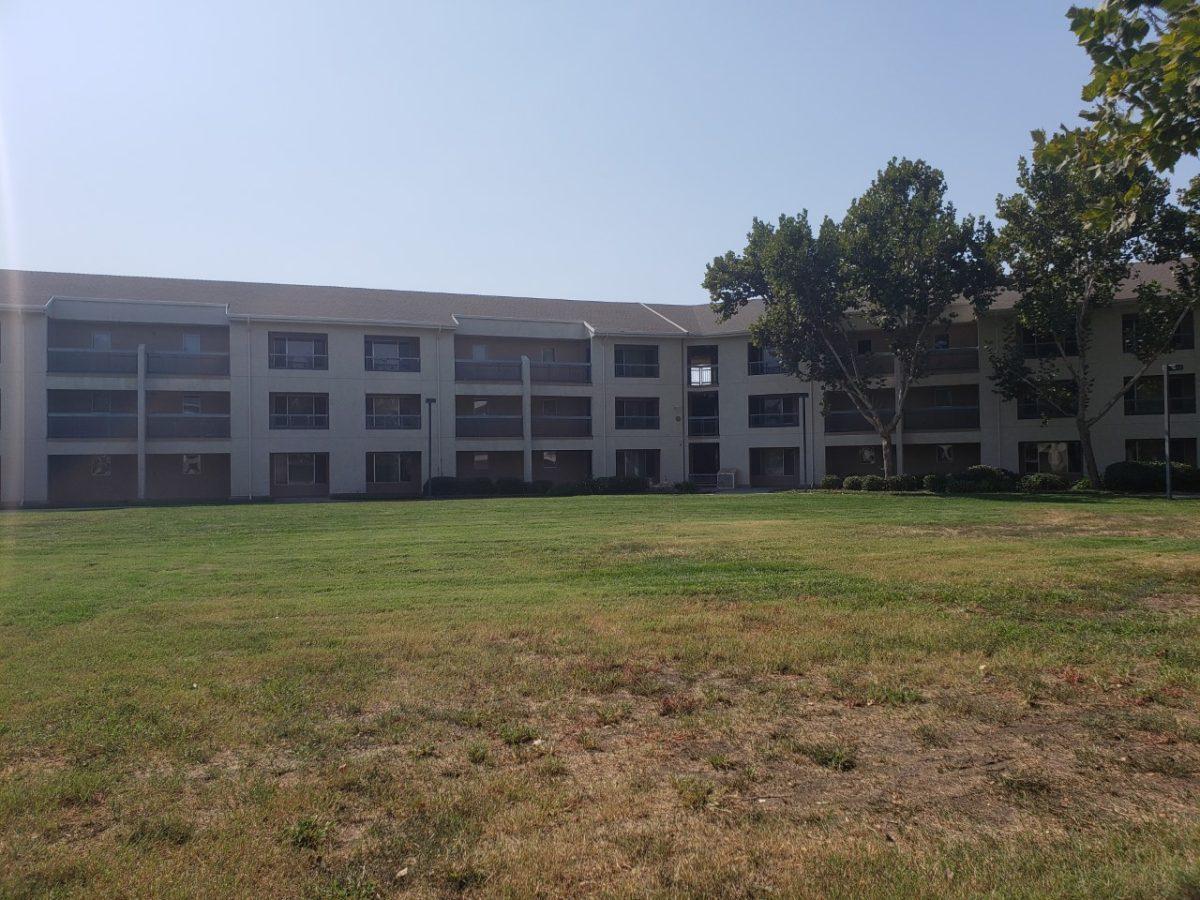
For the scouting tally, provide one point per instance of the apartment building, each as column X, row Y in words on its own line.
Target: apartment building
column 119, row 389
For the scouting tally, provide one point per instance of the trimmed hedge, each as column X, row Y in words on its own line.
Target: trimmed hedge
column 1042, row 483
column 1150, row 477
column 935, row 483
column 831, row 482
column 873, row 483
column 852, row 483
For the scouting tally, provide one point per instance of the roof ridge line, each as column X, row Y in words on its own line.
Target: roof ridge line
column 664, row 318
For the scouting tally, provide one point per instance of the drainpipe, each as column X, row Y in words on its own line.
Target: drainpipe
column 250, row 412
column 898, row 443
column 141, row 422
column 526, row 421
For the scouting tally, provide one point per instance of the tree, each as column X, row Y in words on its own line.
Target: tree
column 1065, row 270
column 897, row 262
column 1145, row 80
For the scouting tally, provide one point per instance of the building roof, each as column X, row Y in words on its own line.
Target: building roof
column 20, row 288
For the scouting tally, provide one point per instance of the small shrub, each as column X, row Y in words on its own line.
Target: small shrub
column 935, row 483
column 910, row 482
column 852, row 483
column 986, row 479
column 892, row 483
column 837, row 757
column 1150, row 477
column 563, row 490
column 831, row 482
column 443, row 486
column 477, row 487
column 620, row 484
column 685, row 487
column 1083, row 484
column 540, row 487
column 1042, row 483
column 873, row 483
column 511, row 487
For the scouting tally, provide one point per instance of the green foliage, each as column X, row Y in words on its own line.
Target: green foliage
column 831, row 482
column 1043, row 483
column 873, row 483
column 686, row 487
column 935, row 483
column 852, row 483
column 1083, row 484
column 910, row 482
column 1150, row 477
column 893, row 483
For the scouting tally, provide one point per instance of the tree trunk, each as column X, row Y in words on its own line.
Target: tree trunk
column 1088, row 452
column 886, row 441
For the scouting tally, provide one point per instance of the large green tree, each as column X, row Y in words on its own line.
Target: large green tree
column 897, row 262
column 1066, row 270
column 1145, row 83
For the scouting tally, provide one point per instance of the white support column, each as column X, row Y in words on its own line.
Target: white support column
column 141, row 422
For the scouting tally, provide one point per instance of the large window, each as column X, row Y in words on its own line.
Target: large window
column 773, row 462
column 299, row 468
column 774, row 411
column 1184, row 337
column 702, row 366
column 389, row 411
column 392, row 354
column 1054, row 457
column 1183, row 450
column 761, row 361
column 1145, row 397
column 1030, row 406
column 1041, row 346
column 300, row 411
column 639, row 464
column 635, row 361
column 637, row 412
column 391, row 468
column 298, row 351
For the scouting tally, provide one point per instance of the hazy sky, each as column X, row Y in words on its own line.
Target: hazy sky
column 601, row 150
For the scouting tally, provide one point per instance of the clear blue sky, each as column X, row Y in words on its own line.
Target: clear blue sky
column 600, row 150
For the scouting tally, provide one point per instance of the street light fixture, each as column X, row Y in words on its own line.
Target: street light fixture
column 1167, row 369
column 429, row 401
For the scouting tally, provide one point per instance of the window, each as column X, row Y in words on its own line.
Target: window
column 550, row 459
column 762, row 361
column 479, row 352
column 702, row 366
column 864, row 346
column 390, row 468
column 1183, row 450
column 942, row 397
column 1145, row 397
column 941, row 342
column 479, row 461
column 548, row 354
column 299, row 411
column 101, row 402
column 392, row 354
column 1184, row 337
column 101, row 466
column 393, row 411
column 635, row 361
column 1030, row 406
column 638, row 464
column 300, row 468
column 637, row 412
column 774, row 411
column 1054, row 457
column 1040, row 346
column 101, row 340
column 773, row 462
column 191, row 464
column 191, row 404
column 191, row 342
column 298, row 351
column 945, row 453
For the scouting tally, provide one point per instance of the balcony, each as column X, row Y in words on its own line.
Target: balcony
column 298, row 360
column 560, row 372
column 487, row 370
column 187, row 425
column 162, row 362
column 635, row 370
column 928, row 418
column 91, row 425
column 647, row 423
column 774, row 420
column 392, row 363
column 954, row 359
column 299, row 421
column 85, row 361
column 849, row 421
column 703, row 426
column 562, row 426
column 493, row 426
column 393, row 421
column 765, row 367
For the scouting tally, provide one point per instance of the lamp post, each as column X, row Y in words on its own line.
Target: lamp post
column 1167, row 369
column 429, row 401
column 804, row 436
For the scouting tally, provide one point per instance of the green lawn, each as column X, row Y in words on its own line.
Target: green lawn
column 809, row 695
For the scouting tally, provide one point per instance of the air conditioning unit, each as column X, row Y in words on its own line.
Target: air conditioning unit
column 727, row 479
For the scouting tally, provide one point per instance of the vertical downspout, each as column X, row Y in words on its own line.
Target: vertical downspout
column 141, row 422
column 526, row 421
column 250, row 413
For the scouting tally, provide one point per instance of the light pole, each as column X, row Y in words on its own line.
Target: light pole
column 804, row 435
column 1167, row 369
column 429, row 401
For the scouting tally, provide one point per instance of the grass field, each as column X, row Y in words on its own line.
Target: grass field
column 809, row 695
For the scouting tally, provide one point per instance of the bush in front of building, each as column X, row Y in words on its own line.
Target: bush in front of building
column 852, row 483
column 831, row 482
column 1150, row 477
column 686, row 487
column 1042, row 483
column 935, row 483
column 1083, row 484
column 910, row 482
column 511, row 487
column 873, row 483
column 982, row 480
column 892, row 483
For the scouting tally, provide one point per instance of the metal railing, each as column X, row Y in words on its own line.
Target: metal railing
column 171, row 362
column 941, row 418
column 299, row 420
column 299, row 361
column 392, row 363
column 953, row 359
column 635, row 370
column 562, row 426
column 638, row 422
column 702, row 376
column 1153, row 406
column 488, row 426
column 187, row 425
column 703, row 426
column 765, row 367
column 842, row 421
column 91, row 425
column 410, row 421
column 87, row 360
column 560, row 372
column 775, row 420
column 490, row 370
